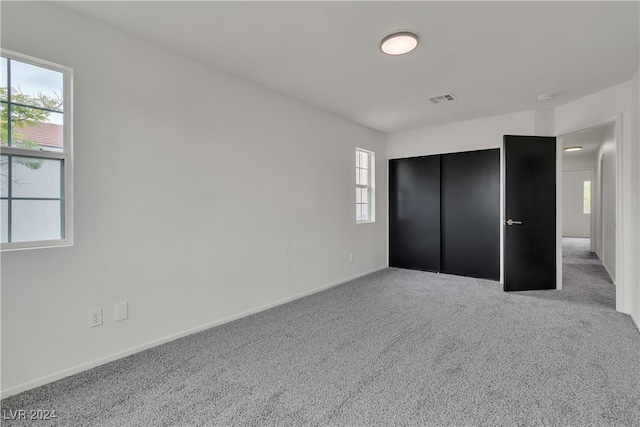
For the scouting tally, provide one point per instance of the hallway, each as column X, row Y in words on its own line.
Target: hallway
column 584, row 278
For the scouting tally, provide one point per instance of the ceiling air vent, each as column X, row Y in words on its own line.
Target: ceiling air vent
column 447, row 97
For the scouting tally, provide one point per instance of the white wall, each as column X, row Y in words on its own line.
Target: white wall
column 606, row 202
column 198, row 197
column 471, row 135
column 619, row 101
column 634, row 118
column 584, row 161
column 575, row 161
column 575, row 223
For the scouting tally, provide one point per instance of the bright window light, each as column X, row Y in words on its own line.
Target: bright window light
column 365, row 177
column 35, row 116
column 586, row 197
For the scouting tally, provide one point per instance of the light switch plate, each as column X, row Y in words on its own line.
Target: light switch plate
column 122, row 311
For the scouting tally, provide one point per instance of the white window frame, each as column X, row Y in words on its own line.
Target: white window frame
column 66, row 155
column 370, row 187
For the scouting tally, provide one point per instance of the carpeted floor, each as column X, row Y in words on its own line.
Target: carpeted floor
column 397, row 347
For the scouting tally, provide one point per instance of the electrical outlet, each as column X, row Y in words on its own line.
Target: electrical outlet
column 95, row 318
column 351, row 257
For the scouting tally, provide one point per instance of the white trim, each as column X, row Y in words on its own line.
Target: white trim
column 592, row 220
column 387, row 198
column 559, row 230
column 616, row 121
column 42, row 63
column 610, row 275
column 25, row 152
column 119, row 355
column 635, row 321
column 66, row 155
column 68, row 148
column 618, row 280
column 35, row 244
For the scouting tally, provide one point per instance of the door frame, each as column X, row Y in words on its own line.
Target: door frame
column 616, row 121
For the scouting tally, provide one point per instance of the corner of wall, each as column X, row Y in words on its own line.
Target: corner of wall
column 543, row 122
column 477, row 134
column 634, row 117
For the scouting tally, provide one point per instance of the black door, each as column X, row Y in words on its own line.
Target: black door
column 530, row 213
column 414, row 213
column 470, row 213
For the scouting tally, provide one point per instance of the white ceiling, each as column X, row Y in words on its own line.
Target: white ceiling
column 590, row 140
column 496, row 57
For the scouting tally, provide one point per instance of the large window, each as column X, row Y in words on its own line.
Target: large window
column 365, row 177
column 35, row 124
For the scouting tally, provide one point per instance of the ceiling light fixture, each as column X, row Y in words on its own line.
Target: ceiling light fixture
column 545, row 97
column 399, row 43
column 576, row 148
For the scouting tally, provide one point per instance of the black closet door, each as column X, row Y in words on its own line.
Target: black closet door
column 530, row 213
column 470, row 215
column 414, row 213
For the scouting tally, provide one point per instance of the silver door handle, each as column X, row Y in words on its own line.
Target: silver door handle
column 512, row 222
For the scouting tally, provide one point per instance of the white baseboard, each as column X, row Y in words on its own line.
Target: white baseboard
column 609, row 273
column 86, row 366
column 637, row 323
column 605, row 267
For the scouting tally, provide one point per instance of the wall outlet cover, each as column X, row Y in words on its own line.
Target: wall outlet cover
column 95, row 318
column 122, row 311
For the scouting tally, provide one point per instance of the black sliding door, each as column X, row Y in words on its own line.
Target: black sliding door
column 414, row 213
column 444, row 213
column 470, row 214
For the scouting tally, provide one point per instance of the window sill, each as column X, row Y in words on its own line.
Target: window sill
column 44, row 244
column 366, row 222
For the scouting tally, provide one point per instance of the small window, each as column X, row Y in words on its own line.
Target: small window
column 35, row 161
column 365, row 177
column 586, row 198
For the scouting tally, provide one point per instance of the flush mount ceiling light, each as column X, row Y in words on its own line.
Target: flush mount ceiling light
column 545, row 97
column 399, row 43
column 576, row 148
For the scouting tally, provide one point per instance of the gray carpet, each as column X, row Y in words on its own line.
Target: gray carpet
column 397, row 347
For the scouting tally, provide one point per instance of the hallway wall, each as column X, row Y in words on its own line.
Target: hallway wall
column 606, row 190
column 575, row 223
column 617, row 102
